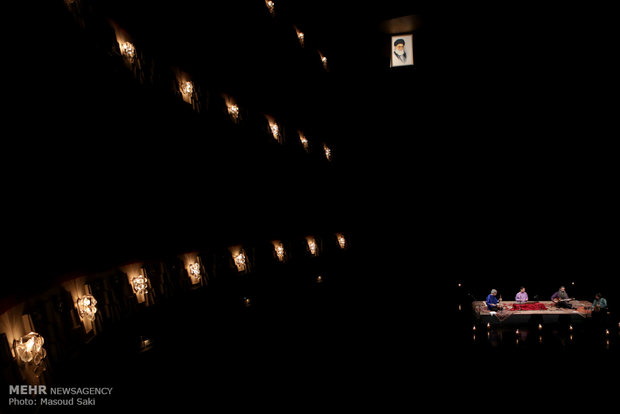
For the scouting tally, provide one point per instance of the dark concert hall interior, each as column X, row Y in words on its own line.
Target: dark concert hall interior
column 293, row 205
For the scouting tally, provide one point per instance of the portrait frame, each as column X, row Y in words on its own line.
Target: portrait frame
column 408, row 50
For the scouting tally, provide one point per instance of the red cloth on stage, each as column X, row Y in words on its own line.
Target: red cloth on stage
column 528, row 306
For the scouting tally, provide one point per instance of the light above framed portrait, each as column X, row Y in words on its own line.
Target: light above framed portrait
column 402, row 50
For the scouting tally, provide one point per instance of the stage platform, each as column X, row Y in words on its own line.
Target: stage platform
column 547, row 312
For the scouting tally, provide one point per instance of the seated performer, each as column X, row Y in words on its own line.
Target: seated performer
column 561, row 299
column 521, row 296
column 599, row 303
column 492, row 302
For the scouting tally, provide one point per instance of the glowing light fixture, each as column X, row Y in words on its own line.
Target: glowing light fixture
column 128, row 50
column 194, row 273
column 239, row 258
column 323, row 60
column 233, row 111
column 87, row 307
column 275, row 131
column 247, row 302
column 312, row 246
column 319, row 279
column 186, row 87
column 300, row 36
column 140, row 284
column 278, row 249
column 271, row 6
column 328, row 152
column 342, row 242
column 304, row 141
column 29, row 348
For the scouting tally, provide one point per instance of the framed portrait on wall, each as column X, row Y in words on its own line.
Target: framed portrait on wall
column 402, row 50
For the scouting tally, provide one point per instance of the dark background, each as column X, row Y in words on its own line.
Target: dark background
column 488, row 163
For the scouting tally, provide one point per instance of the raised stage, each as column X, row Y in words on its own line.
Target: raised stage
column 545, row 311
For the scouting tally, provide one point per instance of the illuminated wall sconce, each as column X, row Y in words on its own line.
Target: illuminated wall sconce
column 304, row 141
column 128, row 50
column 323, row 60
column 140, row 284
column 194, row 273
column 187, row 90
column 275, row 129
column 233, row 112
column 247, row 302
column 271, row 6
column 278, row 249
column 300, row 36
column 125, row 45
column 328, row 152
column 342, row 242
column 87, row 307
column 319, row 279
column 239, row 258
column 313, row 247
column 29, row 348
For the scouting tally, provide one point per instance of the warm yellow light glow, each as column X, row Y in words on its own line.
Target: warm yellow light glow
column 342, row 242
column 328, row 152
column 29, row 348
column 278, row 249
column 271, row 6
column 125, row 44
column 87, row 307
column 247, row 302
column 539, row 327
column 323, row 60
column 274, row 128
column 194, row 273
column 233, row 111
column 239, row 257
column 128, row 50
column 187, row 88
column 304, row 141
column 319, row 279
column 140, row 284
column 300, row 36
column 312, row 246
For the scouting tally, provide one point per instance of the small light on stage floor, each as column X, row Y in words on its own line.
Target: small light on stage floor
column 517, row 332
column 570, row 327
column 607, row 332
column 488, row 325
column 474, row 328
column 247, row 302
column 319, row 279
column 540, row 327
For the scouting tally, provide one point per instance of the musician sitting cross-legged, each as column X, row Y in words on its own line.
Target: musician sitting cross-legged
column 492, row 303
column 561, row 299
